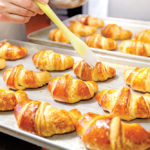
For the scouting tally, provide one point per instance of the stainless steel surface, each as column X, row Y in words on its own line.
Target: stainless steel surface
column 67, row 3
column 69, row 141
column 41, row 36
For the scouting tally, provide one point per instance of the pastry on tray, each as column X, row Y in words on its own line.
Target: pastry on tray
column 57, row 36
column 135, row 47
column 138, row 79
column 9, row 99
column 99, row 72
column 49, row 60
column 2, row 63
column 143, row 36
column 124, row 104
column 98, row 41
column 91, row 21
column 18, row 78
column 44, row 120
column 83, row 30
column 11, row 52
column 116, row 32
column 104, row 132
column 69, row 90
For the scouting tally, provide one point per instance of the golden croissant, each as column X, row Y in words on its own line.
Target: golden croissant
column 91, row 21
column 143, row 36
column 58, row 36
column 138, row 79
column 68, row 90
column 116, row 32
column 124, row 104
column 44, row 120
column 11, row 52
column 97, row 41
column 49, row 60
column 79, row 28
column 9, row 99
column 99, row 72
column 135, row 47
column 2, row 63
column 18, row 78
column 104, row 132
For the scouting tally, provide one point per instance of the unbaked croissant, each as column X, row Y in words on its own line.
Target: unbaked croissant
column 83, row 30
column 100, row 72
column 138, row 79
column 18, row 78
column 104, row 132
column 11, row 52
column 68, row 90
column 49, row 60
column 44, row 120
column 58, row 36
column 116, row 32
column 9, row 99
column 2, row 63
column 124, row 104
column 135, row 47
column 91, row 21
column 143, row 36
column 97, row 41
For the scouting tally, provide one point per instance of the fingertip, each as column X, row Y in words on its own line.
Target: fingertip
column 41, row 12
column 27, row 19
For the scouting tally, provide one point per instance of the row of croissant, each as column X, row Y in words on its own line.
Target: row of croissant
column 97, row 132
column 87, row 26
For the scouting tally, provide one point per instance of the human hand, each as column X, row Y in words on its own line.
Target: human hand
column 18, row 11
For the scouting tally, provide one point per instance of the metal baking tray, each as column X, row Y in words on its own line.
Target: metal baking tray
column 41, row 36
column 69, row 141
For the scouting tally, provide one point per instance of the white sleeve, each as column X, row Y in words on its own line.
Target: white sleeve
column 98, row 8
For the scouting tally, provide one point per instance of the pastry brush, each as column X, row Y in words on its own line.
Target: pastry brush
column 81, row 48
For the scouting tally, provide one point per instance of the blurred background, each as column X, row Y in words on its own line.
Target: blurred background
column 130, row 9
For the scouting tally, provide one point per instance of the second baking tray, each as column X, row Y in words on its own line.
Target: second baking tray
column 69, row 141
column 41, row 36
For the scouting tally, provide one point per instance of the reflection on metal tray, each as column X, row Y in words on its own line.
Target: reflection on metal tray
column 41, row 36
column 70, row 141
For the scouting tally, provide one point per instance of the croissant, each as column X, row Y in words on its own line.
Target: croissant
column 83, row 30
column 9, row 99
column 116, row 32
column 100, row 72
column 68, row 90
column 18, row 78
column 2, row 63
column 11, row 52
column 91, row 21
column 44, row 120
column 124, row 104
column 58, row 36
column 143, row 36
column 135, row 47
column 104, row 132
column 49, row 60
column 138, row 79
column 97, row 41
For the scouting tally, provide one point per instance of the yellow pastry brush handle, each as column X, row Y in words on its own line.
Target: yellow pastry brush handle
column 78, row 44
